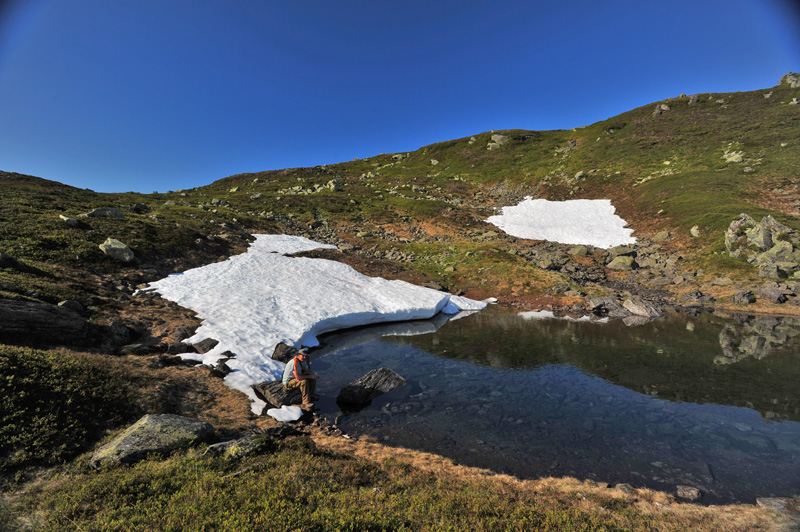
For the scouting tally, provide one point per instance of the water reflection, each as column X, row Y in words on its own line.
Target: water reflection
column 755, row 337
column 644, row 405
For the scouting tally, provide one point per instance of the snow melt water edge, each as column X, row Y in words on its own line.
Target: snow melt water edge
column 253, row 301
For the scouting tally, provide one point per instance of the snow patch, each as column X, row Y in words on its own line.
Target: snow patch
column 252, row 302
column 582, row 221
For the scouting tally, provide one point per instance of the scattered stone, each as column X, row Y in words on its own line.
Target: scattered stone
column 693, row 99
column 152, row 434
column 771, row 246
column 580, row 175
column 722, row 281
column 117, row 250
column 749, row 170
column 689, row 493
column 695, row 231
column 72, row 222
column 371, row 385
column 661, row 109
column 434, row 162
column 283, row 353
column 618, row 251
column 273, row 393
column 745, row 297
column 257, row 196
column 497, row 141
column 733, row 156
column 204, row 346
column 234, row 189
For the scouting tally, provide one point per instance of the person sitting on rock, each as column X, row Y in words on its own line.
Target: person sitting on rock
column 298, row 373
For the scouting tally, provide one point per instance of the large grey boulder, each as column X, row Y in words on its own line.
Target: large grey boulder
column 152, row 434
column 117, row 250
column 41, row 324
column 370, row 386
column 275, row 394
column 622, row 263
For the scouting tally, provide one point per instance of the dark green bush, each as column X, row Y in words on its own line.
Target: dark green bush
column 52, row 403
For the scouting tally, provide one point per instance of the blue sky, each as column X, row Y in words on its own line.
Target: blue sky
column 144, row 95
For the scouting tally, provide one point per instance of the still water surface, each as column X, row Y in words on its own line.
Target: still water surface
column 708, row 401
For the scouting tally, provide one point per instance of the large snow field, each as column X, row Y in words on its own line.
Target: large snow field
column 253, row 301
column 582, row 221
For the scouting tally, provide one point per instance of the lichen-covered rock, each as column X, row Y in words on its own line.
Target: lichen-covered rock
column 243, row 447
column 152, row 434
column 622, row 263
column 370, row 386
column 745, row 297
column 792, row 79
column 117, row 250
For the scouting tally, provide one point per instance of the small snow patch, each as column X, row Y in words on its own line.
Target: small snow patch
column 286, row 413
column 588, row 222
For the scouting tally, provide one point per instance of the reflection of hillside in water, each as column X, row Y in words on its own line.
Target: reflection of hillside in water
column 751, row 337
column 678, row 357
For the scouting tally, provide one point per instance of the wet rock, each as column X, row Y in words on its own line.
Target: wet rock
column 371, row 385
column 641, row 307
column 689, row 493
column 275, row 394
column 117, row 250
column 152, row 434
column 283, row 353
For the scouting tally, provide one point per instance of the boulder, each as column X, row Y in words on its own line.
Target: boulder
column 153, row 434
column 42, row 324
column 696, row 297
column 283, row 353
column 105, row 212
column 641, row 307
column 689, row 493
column 204, row 346
column 772, row 295
column 771, row 246
column 275, row 394
column 661, row 109
column 72, row 222
column 622, row 263
column 621, row 251
column 117, row 250
column 745, row 297
column 370, row 386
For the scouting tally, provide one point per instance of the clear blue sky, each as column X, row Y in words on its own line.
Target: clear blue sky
column 144, row 95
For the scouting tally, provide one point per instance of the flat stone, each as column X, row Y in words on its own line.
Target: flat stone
column 273, row 393
column 773, row 503
column 689, row 493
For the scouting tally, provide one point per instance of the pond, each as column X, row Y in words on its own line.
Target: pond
column 709, row 401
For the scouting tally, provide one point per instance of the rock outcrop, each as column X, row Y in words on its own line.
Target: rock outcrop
column 792, row 79
column 771, row 246
column 42, row 324
column 152, row 434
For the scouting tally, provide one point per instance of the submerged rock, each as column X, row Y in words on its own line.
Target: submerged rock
column 370, row 386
